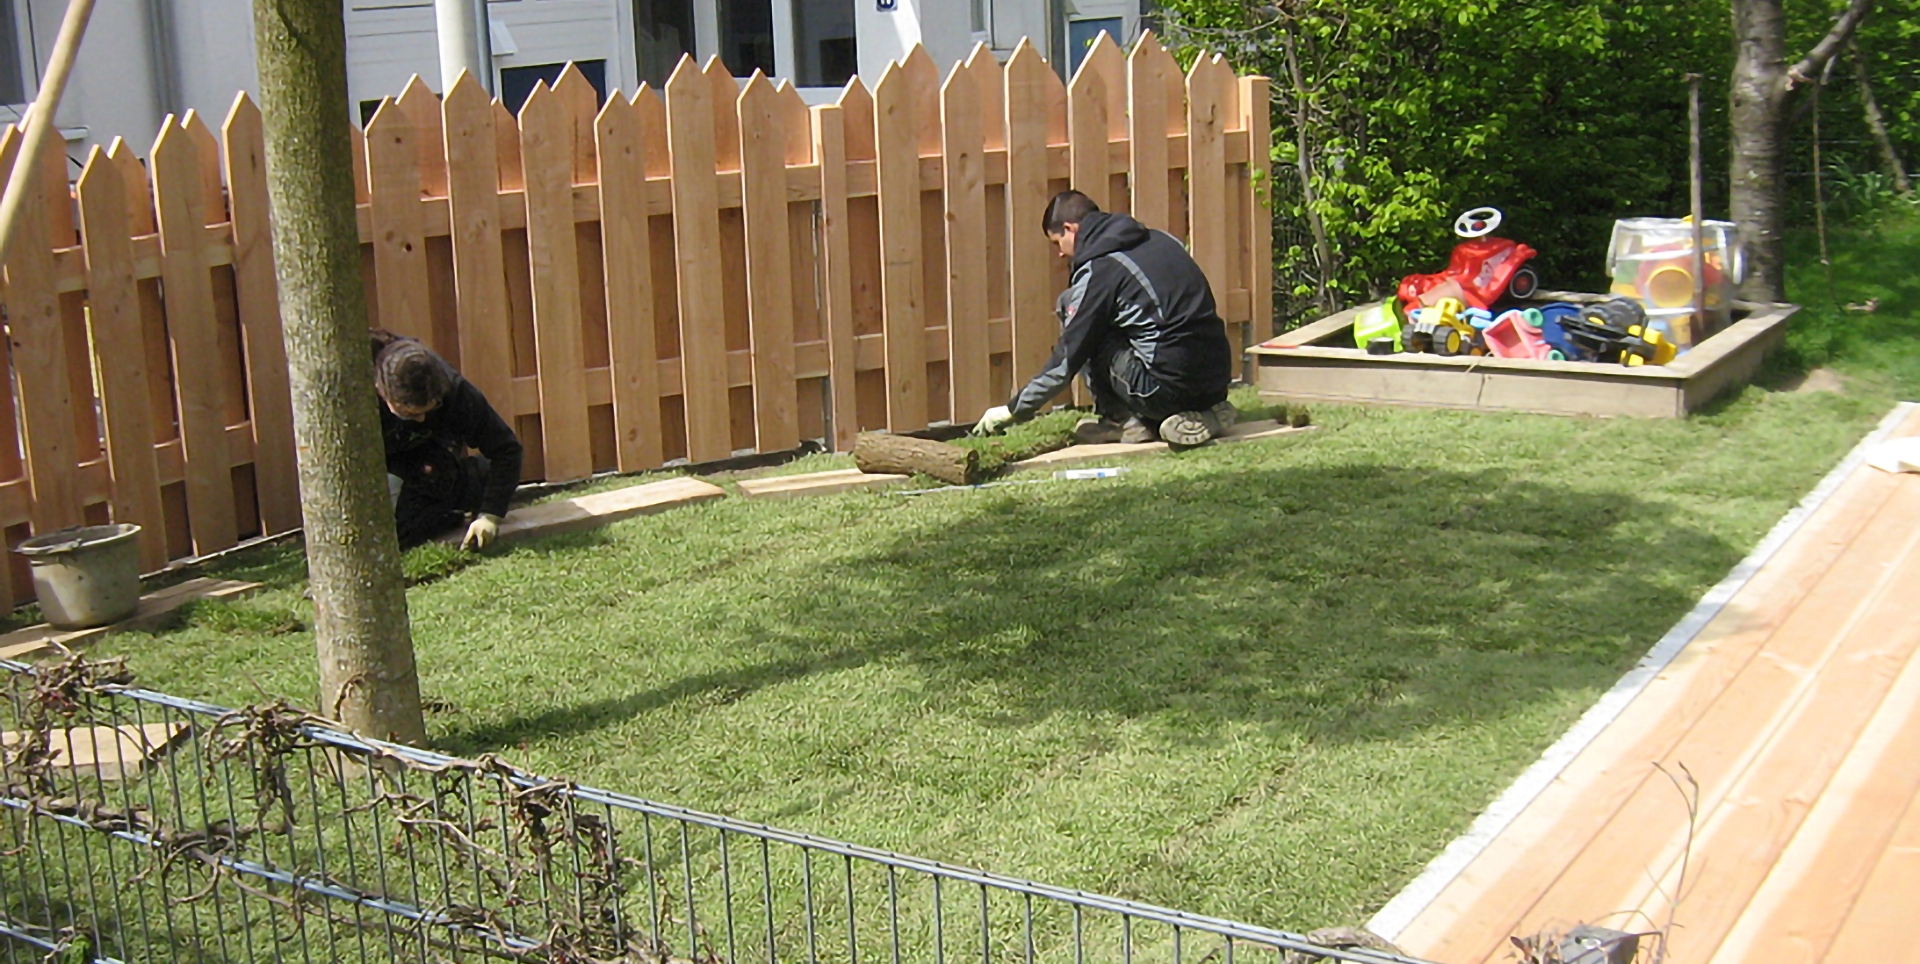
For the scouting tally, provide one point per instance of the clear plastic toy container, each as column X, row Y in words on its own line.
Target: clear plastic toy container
column 1651, row 261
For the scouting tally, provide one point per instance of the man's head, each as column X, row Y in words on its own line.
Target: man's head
column 1063, row 217
column 411, row 379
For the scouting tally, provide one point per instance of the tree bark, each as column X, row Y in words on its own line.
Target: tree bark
column 368, row 681
column 1322, row 249
column 1757, row 98
column 878, row 452
column 1878, row 125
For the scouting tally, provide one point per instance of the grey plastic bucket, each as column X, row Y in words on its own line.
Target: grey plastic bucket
column 86, row 577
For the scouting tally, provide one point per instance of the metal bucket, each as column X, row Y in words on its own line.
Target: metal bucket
column 86, row 577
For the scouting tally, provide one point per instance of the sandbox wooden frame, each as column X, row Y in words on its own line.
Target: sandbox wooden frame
column 1316, row 363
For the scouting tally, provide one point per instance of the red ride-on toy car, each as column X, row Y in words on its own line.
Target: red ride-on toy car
column 1483, row 267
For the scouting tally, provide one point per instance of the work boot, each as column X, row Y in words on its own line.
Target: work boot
column 1097, row 431
column 1225, row 414
column 1187, row 429
column 1137, row 432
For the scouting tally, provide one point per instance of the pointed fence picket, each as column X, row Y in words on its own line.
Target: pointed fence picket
column 683, row 274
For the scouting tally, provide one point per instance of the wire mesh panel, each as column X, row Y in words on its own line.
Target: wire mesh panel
column 136, row 826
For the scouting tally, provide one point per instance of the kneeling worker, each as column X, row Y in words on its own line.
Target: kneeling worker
column 1139, row 318
column 429, row 418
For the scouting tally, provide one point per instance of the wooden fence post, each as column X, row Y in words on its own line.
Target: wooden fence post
column 622, row 132
column 903, row 288
column 696, row 230
column 399, row 241
column 479, row 271
column 1035, row 327
column 125, row 397
column 1254, row 104
column 38, row 340
column 969, row 363
column 830, row 146
column 179, row 188
column 763, row 201
column 1147, row 71
column 275, row 472
column 1206, row 175
column 547, row 150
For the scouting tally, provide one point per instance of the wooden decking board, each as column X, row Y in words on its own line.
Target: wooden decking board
column 1618, row 762
column 1880, row 926
column 1649, row 830
column 1807, row 895
column 1767, row 806
column 1806, row 659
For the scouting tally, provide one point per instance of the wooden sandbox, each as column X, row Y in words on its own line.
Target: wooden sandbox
column 1318, row 363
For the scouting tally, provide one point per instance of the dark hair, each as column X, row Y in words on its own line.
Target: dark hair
column 1067, row 207
column 408, row 373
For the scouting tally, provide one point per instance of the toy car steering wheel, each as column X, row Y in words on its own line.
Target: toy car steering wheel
column 1477, row 223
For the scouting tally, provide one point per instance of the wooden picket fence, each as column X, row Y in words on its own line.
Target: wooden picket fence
column 682, row 277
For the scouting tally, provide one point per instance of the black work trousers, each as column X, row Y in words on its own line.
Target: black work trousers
column 1123, row 388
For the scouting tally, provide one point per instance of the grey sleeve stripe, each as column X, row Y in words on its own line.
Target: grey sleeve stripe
column 1133, row 268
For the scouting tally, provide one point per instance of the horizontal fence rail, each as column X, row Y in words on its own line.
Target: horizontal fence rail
column 681, row 274
column 136, row 826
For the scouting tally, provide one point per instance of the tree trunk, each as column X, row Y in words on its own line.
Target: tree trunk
column 1757, row 99
column 1322, row 249
column 878, row 452
column 1757, row 93
column 1878, row 125
column 367, row 676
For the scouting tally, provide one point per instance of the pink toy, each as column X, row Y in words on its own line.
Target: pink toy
column 1512, row 336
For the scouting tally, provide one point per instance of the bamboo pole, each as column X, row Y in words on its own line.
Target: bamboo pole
column 39, row 123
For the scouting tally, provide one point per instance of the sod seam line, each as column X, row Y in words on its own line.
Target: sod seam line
column 1462, row 850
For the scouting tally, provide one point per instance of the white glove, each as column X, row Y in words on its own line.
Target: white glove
column 993, row 420
column 481, row 533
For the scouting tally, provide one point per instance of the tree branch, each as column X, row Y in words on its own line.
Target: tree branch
column 1829, row 45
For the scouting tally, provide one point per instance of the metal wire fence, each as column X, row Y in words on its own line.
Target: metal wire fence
column 137, row 826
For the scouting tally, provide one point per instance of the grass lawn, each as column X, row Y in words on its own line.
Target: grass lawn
column 1265, row 681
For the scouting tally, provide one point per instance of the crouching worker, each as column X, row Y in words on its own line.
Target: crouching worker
column 429, row 418
column 1138, row 321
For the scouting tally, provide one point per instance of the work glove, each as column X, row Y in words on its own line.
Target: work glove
column 993, row 420
column 482, row 531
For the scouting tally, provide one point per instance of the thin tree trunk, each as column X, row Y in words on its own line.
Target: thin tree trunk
column 1757, row 98
column 1878, row 125
column 1756, row 94
column 1303, row 160
column 367, row 677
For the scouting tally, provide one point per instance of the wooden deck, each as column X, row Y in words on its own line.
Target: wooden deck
column 1793, row 697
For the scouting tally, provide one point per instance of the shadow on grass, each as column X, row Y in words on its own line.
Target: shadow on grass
column 1353, row 603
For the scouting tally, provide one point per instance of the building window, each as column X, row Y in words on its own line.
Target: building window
column 1082, row 33
column 746, row 36
column 826, row 53
column 662, row 34
column 517, row 83
column 13, row 74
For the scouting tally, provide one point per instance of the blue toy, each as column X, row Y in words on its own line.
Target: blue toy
column 1552, row 315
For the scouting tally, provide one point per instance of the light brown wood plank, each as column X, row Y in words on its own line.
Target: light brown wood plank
column 816, row 483
column 968, row 361
column 125, row 396
column 696, row 230
column 1256, row 116
column 623, row 132
column 37, row 332
column 423, row 109
column 763, row 161
column 1207, row 119
column 903, row 289
column 479, row 271
column 602, row 508
column 830, row 140
column 1472, row 917
column 1031, row 255
column 178, row 187
column 270, row 405
column 1640, row 826
column 1147, row 71
column 546, row 146
column 1809, row 890
column 582, row 101
column 1879, row 925
column 399, row 242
